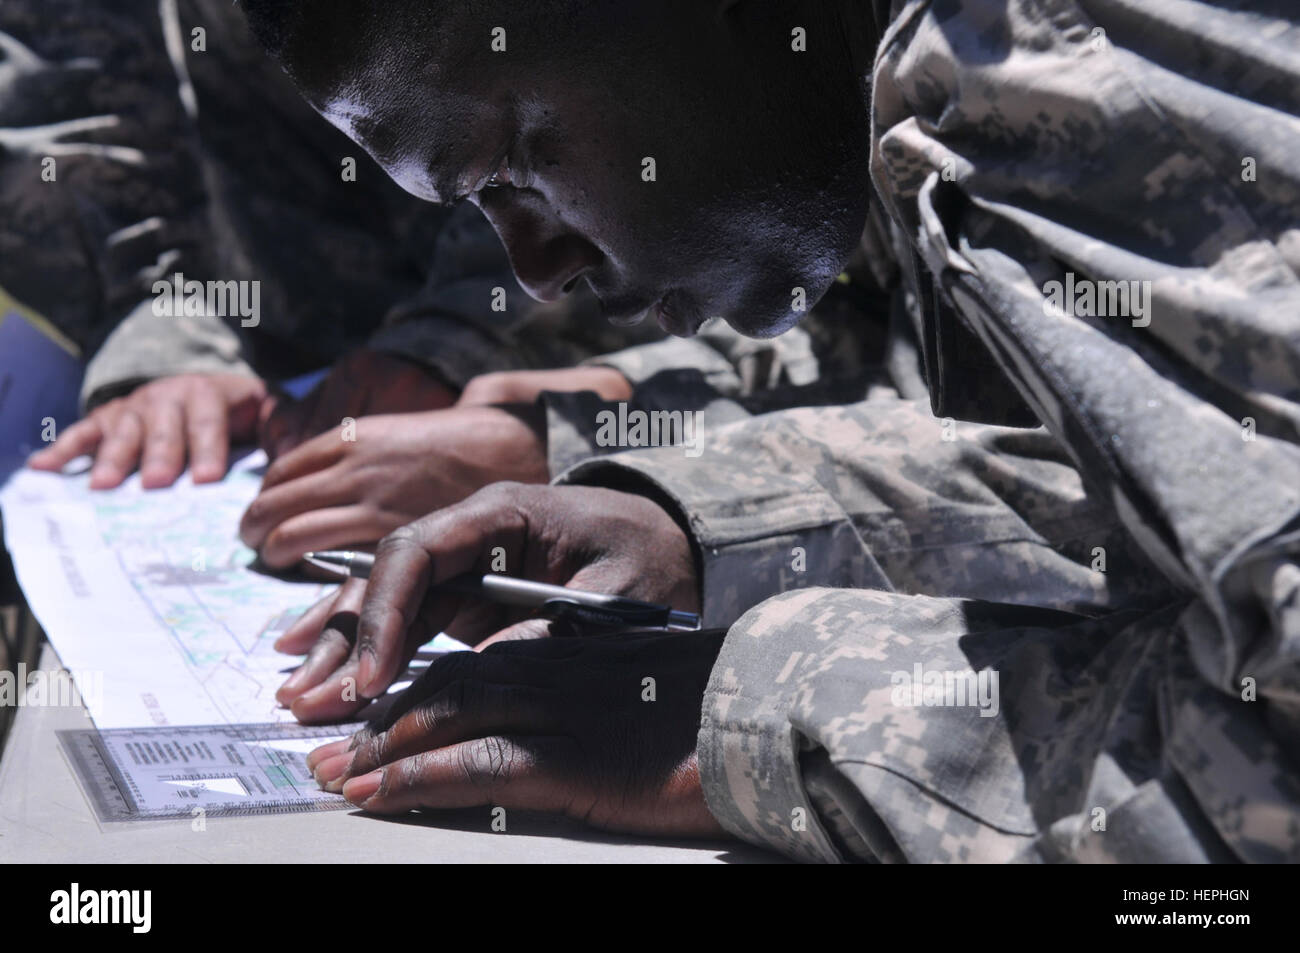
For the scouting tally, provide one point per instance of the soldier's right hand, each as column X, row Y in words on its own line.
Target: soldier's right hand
column 583, row 537
column 160, row 426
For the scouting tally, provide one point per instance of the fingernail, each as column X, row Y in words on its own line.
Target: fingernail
column 288, row 693
column 331, row 773
column 361, row 789
column 365, row 674
column 317, row 755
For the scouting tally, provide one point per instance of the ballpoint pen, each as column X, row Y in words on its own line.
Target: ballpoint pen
column 554, row 601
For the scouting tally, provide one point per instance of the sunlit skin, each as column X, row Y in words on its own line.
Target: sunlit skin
column 193, row 420
column 760, row 152
column 331, row 493
column 760, row 190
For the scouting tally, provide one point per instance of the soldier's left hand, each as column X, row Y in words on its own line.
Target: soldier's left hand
column 364, row 382
column 355, row 485
column 600, row 729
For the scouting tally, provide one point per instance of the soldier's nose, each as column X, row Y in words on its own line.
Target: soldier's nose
column 551, row 270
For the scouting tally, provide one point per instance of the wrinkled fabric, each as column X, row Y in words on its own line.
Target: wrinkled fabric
column 848, row 345
column 1186, row 418
column 208, row 163
column 1156, row 716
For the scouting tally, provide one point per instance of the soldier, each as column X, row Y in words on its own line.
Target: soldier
column 178, row 148
column 358, row 481
column 1093, row 231
column 141, row 142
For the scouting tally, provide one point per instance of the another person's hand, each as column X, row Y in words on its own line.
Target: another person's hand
column 362, row 383
column 159, row 426
column 523, row 387
column 600, row 729
column 354, row 487
column 584, row 537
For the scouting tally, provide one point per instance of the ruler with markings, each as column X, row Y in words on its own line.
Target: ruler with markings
column 137, row 774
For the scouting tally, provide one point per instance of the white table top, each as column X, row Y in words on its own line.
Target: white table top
column 44, row 817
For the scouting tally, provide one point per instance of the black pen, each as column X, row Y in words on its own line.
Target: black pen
column 555, row 601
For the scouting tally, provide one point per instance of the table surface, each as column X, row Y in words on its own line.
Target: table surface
column 45, row 818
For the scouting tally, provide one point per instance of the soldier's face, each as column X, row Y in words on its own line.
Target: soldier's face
column 682, row 164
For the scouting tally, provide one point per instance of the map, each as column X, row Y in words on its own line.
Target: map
column 150, row 599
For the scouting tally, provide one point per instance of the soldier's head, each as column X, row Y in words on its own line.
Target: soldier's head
column 692, row 157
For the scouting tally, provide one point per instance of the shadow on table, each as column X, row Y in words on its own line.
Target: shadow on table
column 532, row 824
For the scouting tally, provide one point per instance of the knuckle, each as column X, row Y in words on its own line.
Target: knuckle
column 372, row 751
column 487, row 763
column 506, row 496
column 430, row 715
column 401, row 538
column 405, row 774
column 496, row 494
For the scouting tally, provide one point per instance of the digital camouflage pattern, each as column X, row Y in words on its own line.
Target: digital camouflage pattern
column 1148, row 713
column 207, row 162
column 847, row 345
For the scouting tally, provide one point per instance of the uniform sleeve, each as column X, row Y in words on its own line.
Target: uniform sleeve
column 466, row 316
column 833, row 358
column 92, row 209
column 730, row 363
column 870, row 726
column 806, row 748
column 146, row 346
column 1147, row 315
column 759, row 519
column 879, row 494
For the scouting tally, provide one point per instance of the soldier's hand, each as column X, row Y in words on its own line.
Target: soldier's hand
column 357, row 483
column 583, row 537
column 523, row 387
column 600, row 729
column 364, row 382
column 159, row 426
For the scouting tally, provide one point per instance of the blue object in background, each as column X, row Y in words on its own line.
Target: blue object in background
column 40, row 380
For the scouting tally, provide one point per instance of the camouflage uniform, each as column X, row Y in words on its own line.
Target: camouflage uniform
column 1148, row 713
column 849, row 346
column 208, row 163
